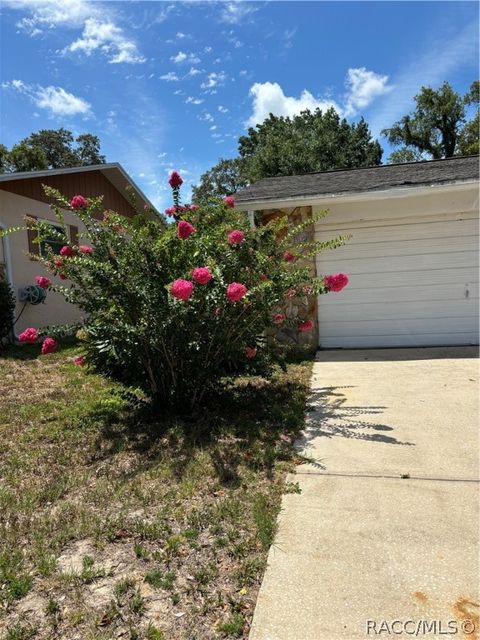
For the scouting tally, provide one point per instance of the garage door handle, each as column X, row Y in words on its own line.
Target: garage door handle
column 467, row 292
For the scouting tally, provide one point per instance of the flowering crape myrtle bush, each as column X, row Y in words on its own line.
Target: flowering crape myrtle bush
column 174, row 308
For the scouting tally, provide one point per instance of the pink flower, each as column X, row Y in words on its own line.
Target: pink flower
column 170, row 211
column 30, row 335
column 229, row 201
column 78, row 202
column 306, row 325
column 57, row 261
column 202, row 275
column 291, row 293
column 79, row 361
column 181, row 289
column 236, row 237
column 236, row 291
column 263, row 277
column 278, row 318
column 62, row 276
column 49, row 345
column 43, row 282
column 250, row 352
column 288, row 257
column 175, row 180
column 185, row 229
column 336, row 282
column 194, row 207
column 84, row 248
column 67, row 251
column 146, row 207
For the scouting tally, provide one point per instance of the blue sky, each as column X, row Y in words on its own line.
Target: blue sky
column 174, row 84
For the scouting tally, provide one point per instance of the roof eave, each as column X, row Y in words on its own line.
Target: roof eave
column 351, row 196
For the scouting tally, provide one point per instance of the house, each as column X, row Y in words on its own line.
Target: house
column 412, row 258
column 22, row 194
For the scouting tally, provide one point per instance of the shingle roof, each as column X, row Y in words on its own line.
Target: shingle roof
column 362, row 179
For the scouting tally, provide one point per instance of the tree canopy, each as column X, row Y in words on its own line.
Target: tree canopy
column 51, row 149
column 310, row 141
column 224, row 179
column 438, row 126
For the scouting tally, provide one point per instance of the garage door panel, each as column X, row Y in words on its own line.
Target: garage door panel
column 395, row 326
column 406, row 340
column 406, row 231
column 393, row 248
column 398, row 263
column 408, row 285
column 446, row 276
column 402, row 310
column 412, row 292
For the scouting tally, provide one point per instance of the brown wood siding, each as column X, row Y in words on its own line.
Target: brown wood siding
column 89, row 184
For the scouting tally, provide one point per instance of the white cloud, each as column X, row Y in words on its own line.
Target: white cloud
column 171, row 76
column 180, row 57
column 270, row 98
column 61, row 102
column 181, row 35
column 222, row 109
column 192, row 100
column 54, row 99
column 207, row 117
column 237, row 11
column 213, row 127
column 207, row 50
column 99, row 28
column 363, row 87
column 185, row 57
column 109, row 39
column 47, row 14
column 193, row 71
column 214, row 79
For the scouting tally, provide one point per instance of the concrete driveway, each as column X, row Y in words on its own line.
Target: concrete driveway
column 382, row 541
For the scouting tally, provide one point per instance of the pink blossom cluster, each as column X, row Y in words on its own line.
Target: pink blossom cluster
column 336, row 282
column 235, row 237
column 175, row 180
column 31, row 336
column 176, row 209
column 202, row 275
column 185, row 229
column 78, row 202
column 43, row 282
column 236, row 291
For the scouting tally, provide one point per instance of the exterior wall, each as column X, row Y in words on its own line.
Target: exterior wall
column 305, row 306
column 22, row 271
column 89, row 183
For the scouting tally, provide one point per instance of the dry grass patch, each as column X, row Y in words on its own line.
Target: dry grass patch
column 115, row 523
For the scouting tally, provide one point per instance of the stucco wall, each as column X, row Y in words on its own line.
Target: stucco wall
column 13, row 209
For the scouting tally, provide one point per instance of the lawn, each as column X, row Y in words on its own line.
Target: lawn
column 118, row 524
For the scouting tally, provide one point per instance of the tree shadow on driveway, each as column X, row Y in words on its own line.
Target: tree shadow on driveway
column 329, row 416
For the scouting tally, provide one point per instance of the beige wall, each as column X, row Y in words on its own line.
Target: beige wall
column 23, row 270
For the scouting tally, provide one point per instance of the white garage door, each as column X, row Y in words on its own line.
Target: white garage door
column 411, row 284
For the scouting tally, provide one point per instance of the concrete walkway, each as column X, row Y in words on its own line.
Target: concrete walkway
column 361, row 543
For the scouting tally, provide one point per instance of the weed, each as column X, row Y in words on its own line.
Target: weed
column 233, row 626
column 264, row 517
column 160, row 579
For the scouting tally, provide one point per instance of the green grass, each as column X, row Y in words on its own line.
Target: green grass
column 142, row 503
